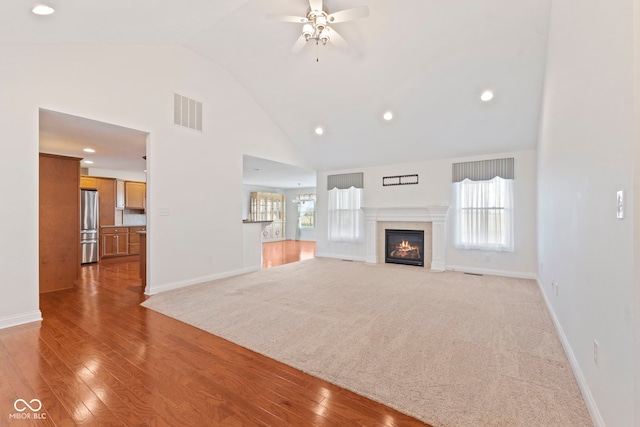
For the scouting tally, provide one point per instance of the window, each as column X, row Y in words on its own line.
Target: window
column 484, row 214
column 307, row 214
column 346, row 221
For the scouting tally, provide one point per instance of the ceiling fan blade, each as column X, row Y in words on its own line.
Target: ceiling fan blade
column 315, row 4
column 299, row 44
column 337, row 40
column 287, row 18
column 349, row 14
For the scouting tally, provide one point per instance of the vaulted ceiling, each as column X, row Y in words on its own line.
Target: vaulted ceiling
column 426, row 60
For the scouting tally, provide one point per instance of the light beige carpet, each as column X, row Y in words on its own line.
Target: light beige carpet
column 447, row 348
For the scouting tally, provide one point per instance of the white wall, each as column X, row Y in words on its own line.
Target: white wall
column 195, row 177
column 585, row 155
column 434, row 188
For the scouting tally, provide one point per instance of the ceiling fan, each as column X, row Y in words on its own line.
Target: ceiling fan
column 317, row 24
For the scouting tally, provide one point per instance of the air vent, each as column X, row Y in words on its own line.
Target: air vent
column 187, row 112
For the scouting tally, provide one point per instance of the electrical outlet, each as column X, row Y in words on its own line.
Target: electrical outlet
column 596, row 348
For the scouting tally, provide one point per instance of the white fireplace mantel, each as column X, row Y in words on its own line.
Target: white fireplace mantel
column 433, row 214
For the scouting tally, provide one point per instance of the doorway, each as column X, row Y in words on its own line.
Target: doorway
column 283, row 195
column 108, row 160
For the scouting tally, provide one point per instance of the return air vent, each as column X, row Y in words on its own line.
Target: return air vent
column 187, row 112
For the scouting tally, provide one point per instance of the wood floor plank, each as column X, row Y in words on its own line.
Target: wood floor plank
column 286, row 251
column 99, row 358
column 51, row 405
column 83, row 366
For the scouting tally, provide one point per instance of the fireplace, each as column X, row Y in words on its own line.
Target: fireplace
column 431, row 219
column 404, row 247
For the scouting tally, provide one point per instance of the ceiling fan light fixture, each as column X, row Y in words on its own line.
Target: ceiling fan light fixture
column 321, row 22
column 307, row 31
column 324, row 35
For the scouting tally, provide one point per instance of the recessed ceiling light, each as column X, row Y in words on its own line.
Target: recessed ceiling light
column 487, row 95
column 388, row 115
column 319, row 131
column 42, row 9
column 89, row 150
column 89, row 162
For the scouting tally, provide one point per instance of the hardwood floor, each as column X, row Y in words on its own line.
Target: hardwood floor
column 99, row 358
column 286, row 251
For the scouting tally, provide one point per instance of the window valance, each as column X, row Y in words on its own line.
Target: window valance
column 483, row 170
column 345, row 181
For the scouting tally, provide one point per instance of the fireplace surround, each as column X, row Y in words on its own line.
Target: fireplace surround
column 430, row 218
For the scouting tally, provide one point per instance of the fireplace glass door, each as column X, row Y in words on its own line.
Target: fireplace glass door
column 404, row 247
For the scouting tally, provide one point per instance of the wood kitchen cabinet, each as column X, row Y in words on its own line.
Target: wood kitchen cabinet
column 107, row 200
column 59, row 222
column 135, row 195
column 134, row 240
column 114, row 241
column 88, row 182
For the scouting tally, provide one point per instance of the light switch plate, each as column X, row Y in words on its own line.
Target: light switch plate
column 620, row 204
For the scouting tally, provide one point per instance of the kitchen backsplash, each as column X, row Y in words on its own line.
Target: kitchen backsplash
column 130, row 217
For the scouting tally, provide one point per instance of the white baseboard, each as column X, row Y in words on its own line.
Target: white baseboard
column 20, row 319
column 491, row 272
column 596, row 417
column 251, row 269
column 339, row 256
column 177, row 285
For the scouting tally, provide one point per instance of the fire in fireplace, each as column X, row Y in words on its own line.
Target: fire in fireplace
column 404, row 247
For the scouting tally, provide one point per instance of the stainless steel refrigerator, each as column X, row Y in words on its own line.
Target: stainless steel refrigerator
column 89, row 226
